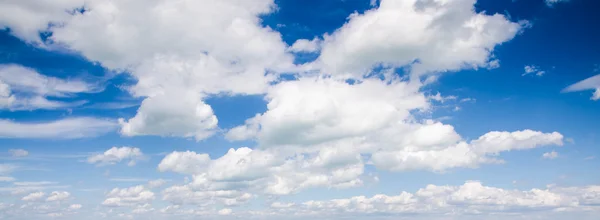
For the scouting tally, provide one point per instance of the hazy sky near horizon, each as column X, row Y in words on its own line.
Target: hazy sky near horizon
column 295, row 109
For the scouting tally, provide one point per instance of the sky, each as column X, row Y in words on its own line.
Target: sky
column 295, row 109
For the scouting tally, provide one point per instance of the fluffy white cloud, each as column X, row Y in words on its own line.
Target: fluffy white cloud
column 22, row 88
column 115, row 155
column 592, row 83
column 27, row 18
column 137, row 195
column 531, row 69
column 313, row 110
column 58, row 196
column 233, row 53
column 468, row 199
column 429, row 36
column 18, row 152
column 33, row 197
column 68, row 128
column 454, row 153
column 188, row 162
column 550, row 155
column 304, row 45
column 185, row 115
column 141, row 209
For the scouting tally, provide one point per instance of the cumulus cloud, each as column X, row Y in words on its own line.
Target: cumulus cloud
column 429, row 36
column 22, row 88
column 33, row 197
column 186, row 115
column 18, row 152
column 592, row 83
column 550, row 155
column 304, row 45
column 58, row 196
column 137, row 195
column 467, row 199
column 232, row 54
column 27, row 18
column 531, row 69
column 68, row 128
column 115, row 155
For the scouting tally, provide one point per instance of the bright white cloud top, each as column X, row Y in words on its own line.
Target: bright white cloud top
column 339, row 136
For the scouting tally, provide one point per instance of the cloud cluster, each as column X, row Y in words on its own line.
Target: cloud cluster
column 137, row 195
column 471, row 198
column 428, row 36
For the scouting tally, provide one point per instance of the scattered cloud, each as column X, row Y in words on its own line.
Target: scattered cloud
column 58, row 196
column 550, row 155
column 531, row 69
column 137, row 195
column 33, row 197
column 115, row 155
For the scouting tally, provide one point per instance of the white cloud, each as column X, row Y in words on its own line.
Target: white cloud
column 318, row 110
column 58, row 196
column 592, row 83
column 137, row 195
column 551, row 3
column 18, row 152
column 550, row 155
column 440, row 35
column 531, row 69
column 461, row 201
column 225, row 212
column 232, row 54
column 27, row 18
column 68, row 128
column 33, row 197
column 304, row 45
column 22, row 88
column 141, row 209
column 115, row 155
column 186, row 115
column 188, row 162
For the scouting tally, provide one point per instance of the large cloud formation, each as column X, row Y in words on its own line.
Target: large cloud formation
column 336, row 124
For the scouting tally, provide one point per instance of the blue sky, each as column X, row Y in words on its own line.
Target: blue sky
column 288, row 109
